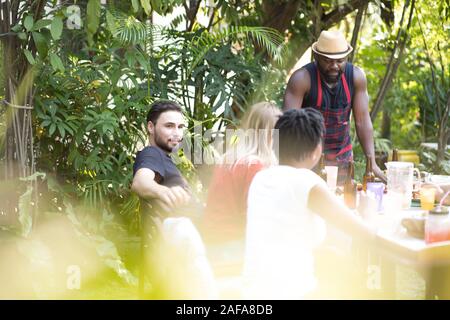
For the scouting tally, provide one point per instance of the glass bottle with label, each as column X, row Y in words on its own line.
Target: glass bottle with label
column 395, row 155
column 369, row 176
column 350, row 188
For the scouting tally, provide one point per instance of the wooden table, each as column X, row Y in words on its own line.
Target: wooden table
column 395, row 246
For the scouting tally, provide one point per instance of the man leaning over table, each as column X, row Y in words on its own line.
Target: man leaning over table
column 336, row 88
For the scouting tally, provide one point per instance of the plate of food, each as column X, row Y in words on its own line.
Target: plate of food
column 415, row 225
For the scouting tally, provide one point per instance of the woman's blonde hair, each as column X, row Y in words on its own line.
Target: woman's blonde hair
column 254, row 136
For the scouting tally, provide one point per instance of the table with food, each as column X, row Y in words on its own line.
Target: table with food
column 411, row 215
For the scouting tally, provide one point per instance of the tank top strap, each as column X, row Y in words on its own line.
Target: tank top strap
column 310, row 99
column 348, row 72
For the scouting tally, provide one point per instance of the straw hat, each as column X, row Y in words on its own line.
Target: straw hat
column 332, row 44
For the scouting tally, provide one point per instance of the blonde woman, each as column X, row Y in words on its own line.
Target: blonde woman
column 225, row 213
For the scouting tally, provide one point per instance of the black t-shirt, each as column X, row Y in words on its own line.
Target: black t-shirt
column 153, row 158
column 166, row 174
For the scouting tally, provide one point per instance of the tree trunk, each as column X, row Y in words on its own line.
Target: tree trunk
column 386, row 126
column 444, row 132
column 279, row 14
column 394, row 61
column 19, row 151
column 356, row 30
column 191, row 13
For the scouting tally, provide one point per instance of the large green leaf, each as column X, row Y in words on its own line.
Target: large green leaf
column 56, row 28
column 135, row 4
column 147, row 7
column 41, row 24
column 93, row 18
column 56, row 62
column 41, row 44
column 28, row 23
column 29, row 56
column 111, row 22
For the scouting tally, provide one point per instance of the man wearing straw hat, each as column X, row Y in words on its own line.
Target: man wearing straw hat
column 336, row 88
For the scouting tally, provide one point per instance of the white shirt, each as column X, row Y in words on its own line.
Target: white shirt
column 281, row 234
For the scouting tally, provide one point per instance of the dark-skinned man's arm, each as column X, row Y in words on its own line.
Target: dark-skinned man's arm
column 297, row 87
column 363, row 123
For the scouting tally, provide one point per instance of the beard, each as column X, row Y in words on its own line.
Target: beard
column 331, row 79
column 165, row 145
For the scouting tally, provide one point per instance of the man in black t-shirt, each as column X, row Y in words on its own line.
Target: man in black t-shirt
column 158, row 183
column 155, row 176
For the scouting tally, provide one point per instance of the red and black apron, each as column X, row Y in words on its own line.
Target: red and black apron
column 335, row 105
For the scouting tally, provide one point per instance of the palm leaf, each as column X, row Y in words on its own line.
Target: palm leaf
column 130, row 31
column 267, row 38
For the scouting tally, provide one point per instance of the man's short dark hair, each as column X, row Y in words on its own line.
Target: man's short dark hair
column 161, row 106
column 300, row 132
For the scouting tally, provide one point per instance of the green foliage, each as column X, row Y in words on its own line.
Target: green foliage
column 428, row 161
column 162, row 7
column 105, row 248
column 266, row 38
column 93, row 19
column 56, row 28
column 412, row 101
column 92, row 120
column 45, row 34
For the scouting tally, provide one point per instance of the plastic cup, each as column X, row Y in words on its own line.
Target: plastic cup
column 332, row 173
column 427, row 197
column 377, row 189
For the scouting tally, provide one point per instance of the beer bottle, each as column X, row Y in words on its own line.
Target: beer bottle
column 369, row 176
column 350, row 188
column 395, row 155
column 322, row 171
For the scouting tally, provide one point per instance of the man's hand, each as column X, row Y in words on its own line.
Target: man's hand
column 171, row 198
column 378, row 172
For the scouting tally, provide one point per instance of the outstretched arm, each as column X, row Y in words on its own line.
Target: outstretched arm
column 297, row 87
column 325, row 204
column 363, row 123
column 145, row 186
